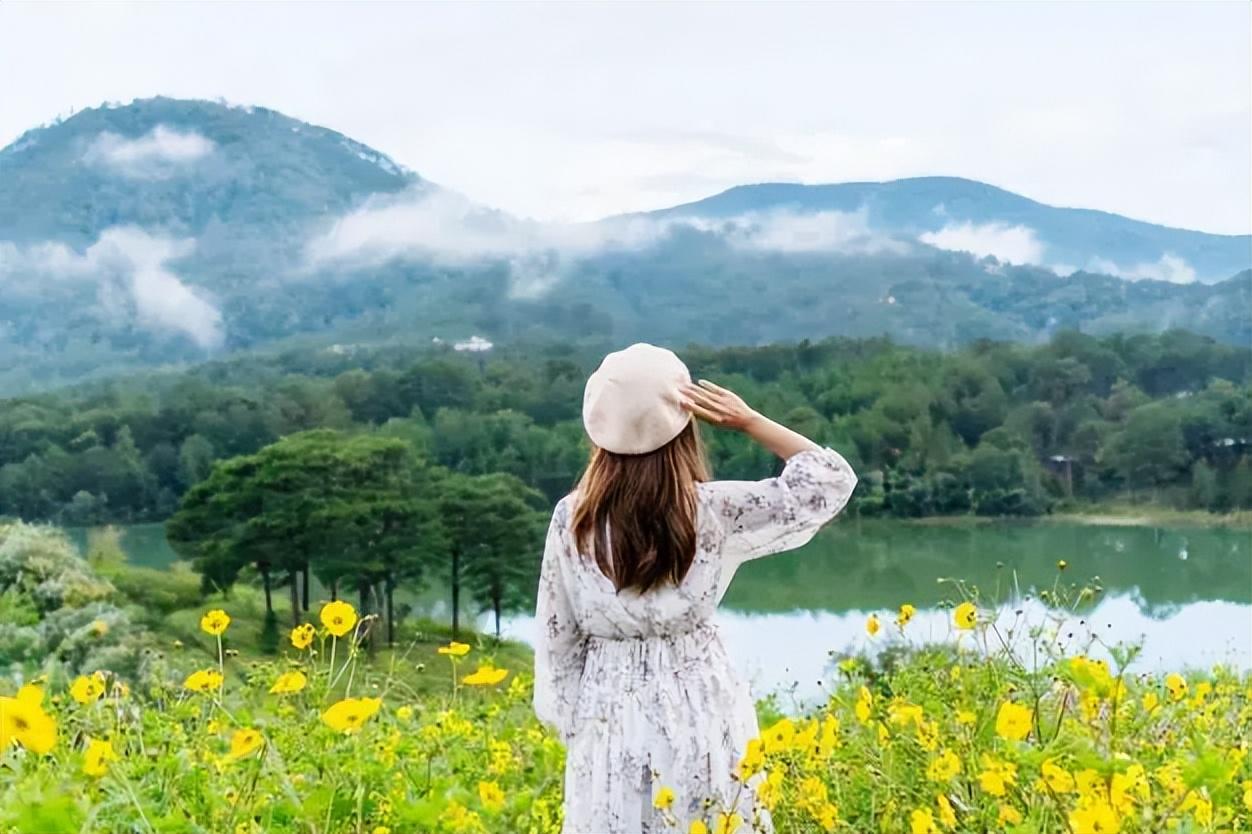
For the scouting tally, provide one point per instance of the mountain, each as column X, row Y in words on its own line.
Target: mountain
column 948, row 211
column 165, row 232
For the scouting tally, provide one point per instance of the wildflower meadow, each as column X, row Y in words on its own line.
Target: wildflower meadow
column 1017, row 729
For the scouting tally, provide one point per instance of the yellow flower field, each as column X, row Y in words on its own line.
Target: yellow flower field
column 961, row 737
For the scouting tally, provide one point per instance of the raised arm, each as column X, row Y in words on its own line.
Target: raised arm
column 780, row 513
column 560, row 646
column 783, row 512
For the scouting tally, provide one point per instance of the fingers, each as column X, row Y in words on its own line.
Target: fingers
column 704, row 405
column 703, row 413
column 704, row 398
column 712, row 386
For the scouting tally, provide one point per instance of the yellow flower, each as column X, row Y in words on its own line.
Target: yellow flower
column 864, row 703
column 901, row 713
column 906, row 614
column 753, row 760
column 1176, row 685
column 965, row 616
column 1094, row 817
column 1013, row 721
column 1009, row 815
column 244, row 743
column 698, row 827
column 947, row 815
column 1247, row 794
column 454, row 649
column 99, row 628
column 86, row 689
column 1056, row 777
column 769, row 791
column 1062, row 564
column 827, row 816
column 1201, row 808
column 664, row 799
column 964, row 716
column 404, row 713
column 289, row 682
column 97, row 756
column 302, row 636
column 491, row 796
column 829, row 739
column 23, row 720
column 205, row 680
column 727, row 823
column 921, row 821
column 871, row 625
column 1092, row 675
column 779, row 736
column 996, row 775
column 338, row 617
column 350, row 714
column 215, row 622
column 812, row 793
column 943, row 767
column 1129, row 786
column 1150, row 701
column 487, row 675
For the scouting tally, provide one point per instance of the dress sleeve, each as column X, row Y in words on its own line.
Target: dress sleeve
column 784, row 512
column 560, row 645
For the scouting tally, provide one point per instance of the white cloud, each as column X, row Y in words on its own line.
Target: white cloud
column 157, row 153
column 1169, row 268
column 823, row 231
column 448, row 228
column 1015, row 244
column 128, row 266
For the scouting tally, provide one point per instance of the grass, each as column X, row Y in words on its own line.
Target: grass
column 414, row 661
column 965, row 737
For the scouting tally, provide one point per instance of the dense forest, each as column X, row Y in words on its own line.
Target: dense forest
column 993, row 429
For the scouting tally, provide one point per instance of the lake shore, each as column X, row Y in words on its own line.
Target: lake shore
column 1115, row 515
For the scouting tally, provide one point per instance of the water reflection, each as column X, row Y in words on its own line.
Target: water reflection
column 874, row 565
column 791, row 651
column 1186, row 595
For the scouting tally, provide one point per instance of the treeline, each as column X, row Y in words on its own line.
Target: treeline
column 994, row 428
column 363, row 514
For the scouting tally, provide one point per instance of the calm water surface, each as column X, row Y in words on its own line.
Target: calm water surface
column 1184, row 593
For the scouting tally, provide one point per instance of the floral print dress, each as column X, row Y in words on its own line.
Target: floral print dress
column 639, row 685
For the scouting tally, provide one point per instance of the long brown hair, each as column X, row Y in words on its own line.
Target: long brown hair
column 636, row 514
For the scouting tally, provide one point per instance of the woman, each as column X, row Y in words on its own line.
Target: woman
column 629, row 667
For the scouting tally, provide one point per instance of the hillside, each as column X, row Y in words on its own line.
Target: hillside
column 166, row 232
column 949, row 211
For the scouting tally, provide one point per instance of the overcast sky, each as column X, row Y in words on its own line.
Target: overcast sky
column 563, row 111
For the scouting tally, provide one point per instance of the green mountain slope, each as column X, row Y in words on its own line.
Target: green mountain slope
column 165, row 232
column 916, row 206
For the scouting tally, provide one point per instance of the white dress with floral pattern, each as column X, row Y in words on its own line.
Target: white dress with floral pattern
column 639, row 686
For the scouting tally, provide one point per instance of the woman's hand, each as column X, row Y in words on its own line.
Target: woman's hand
column 717, row 406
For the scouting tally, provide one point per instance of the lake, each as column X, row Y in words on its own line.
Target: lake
column 1185, row 593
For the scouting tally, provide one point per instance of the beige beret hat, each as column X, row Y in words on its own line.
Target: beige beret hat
column 632, row 404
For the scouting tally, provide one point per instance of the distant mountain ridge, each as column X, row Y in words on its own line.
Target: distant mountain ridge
column 164, row 232
column 920, row 205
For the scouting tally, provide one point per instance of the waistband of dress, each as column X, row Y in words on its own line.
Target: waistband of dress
column 700, row 630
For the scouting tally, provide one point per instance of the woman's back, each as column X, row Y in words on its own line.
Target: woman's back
column 639, row 683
